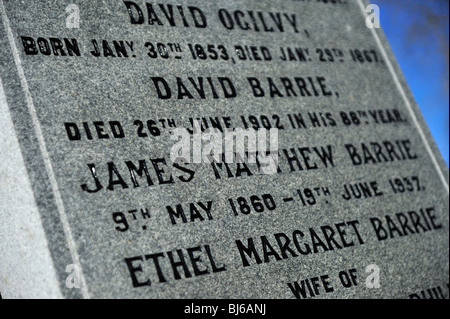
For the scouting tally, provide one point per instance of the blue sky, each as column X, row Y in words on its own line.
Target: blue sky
column 418, row 32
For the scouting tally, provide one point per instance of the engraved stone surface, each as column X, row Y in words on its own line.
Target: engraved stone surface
column 93, row 205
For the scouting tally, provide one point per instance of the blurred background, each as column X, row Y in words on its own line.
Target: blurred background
column 418, row 32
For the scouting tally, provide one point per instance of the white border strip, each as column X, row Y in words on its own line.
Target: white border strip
column 43, row 149
column 406, row 100
column 29, row 245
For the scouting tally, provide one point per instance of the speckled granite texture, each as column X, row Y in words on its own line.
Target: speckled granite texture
column 94, row 100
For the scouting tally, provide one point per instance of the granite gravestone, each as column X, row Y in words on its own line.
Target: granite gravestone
column 93, row 205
